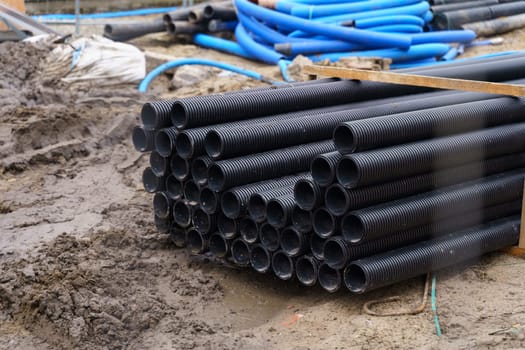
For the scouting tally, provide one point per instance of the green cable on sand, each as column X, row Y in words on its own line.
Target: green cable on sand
column 434, row 307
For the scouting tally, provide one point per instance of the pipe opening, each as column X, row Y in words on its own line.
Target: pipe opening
column 108, row 29
column 301, row 219
column 193, row 17
column 208, row 200
column 269, row 237
column 139, row 139
column 282, row 266
column 336, row 199
column 158, row 163
column 201, row 221
column 230, row 204
column 218, row 245
column 291, row 241
column 249, row 230
column 275, row 214
column 148, row 116
column 329, row 279
column 347, row 172
column 184, row 145
column 179, row 167
column 208, row 11
column 213, row 144
column 150, row 180
column 317, row 245
column 352, row 229
column 322, row 171
column 260, row 259
column 216, row 178
column 163, row 143
column 355, row 278
column 334, row 253
column 257, row 207
column 178, row 237
column 182, row 213
column 304, row 194
column 227, row 226
column 195, row 242
column 324, row 223
column 306, row 271
column 163, row 225
column 344, row 139
column 173, row 187
column 191, row 192
column 161, row 205
column 171, row 27
column 199, row 171
column 240, row 252
column 178, row 112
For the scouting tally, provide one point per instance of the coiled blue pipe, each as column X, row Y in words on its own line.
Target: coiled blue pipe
column 212, row 42
column 388, row 20
column 144, row 84
column 255, row 49
column 397, row 28
column 347, row 8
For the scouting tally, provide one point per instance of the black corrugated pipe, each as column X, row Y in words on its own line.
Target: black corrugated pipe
column 196, row 16
column 240, row 252
column 293, row 242
column 156, row 114
column 182, row 213
column 159, row 165
column 308, row 194
column 184, row 27
column 235, row 201
column 197, row 243
column 442, row 2
column 128, row 31
column 302, row 219
column 221, row 12
column 182, row 12
column 282, row 265
column 258, row 201
column 330, row 279
column 153, row 183
column 323, row 167
column 454, row 19
column 174, row 188
column 316, row 245
column 340, row 253
column 227, row 227
column 324, row 223
column 260, row 258
column 219, row 245
column 199, row 169
column 178, row 236
column 266, row 165
column 269, row 236
column 401, row 264
column 383, row 219
column 180, row 167
column 217, row 25
column 279, row 211
column 339, row 200
column 191, row 192
column 496, row 26
column 389, row 130
column 209, row 200
column 203, row 222
column 163, row 225
column 165, row 140
column 252, row 136
column 462, row 5
column 162, row 204
column 306, row 270
column 143, row 140
column 249, row 230
column 369, row 167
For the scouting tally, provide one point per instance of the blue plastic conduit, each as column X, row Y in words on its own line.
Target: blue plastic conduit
column 347, row 8
column 388, row 20
column 144, row 84
column 255, row 49
column 212, row 42
column 397, row 28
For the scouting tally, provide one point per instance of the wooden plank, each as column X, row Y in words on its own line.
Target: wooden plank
column 417, row 80
column 16, row 4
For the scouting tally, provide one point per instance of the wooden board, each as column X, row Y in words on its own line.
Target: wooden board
column 15, row 4
column 417, row 80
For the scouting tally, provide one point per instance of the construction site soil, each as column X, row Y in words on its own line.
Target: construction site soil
column 82, row 266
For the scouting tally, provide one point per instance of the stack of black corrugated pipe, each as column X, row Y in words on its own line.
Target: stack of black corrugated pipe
column 484, row 17
column 231, row 178
column 207, row 17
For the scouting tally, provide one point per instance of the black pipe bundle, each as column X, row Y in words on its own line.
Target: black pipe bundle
column 328, row 194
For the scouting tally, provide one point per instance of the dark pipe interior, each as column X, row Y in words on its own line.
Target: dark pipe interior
column 213, row 144
column 260, row 259
column 218, row 245
column 304, row 194
column 195, row 241
column 173, row 187
column 329, row 279
column 306, row 271
column 216, row 178
column 291, row 241
column 191, row 191
column 355, row 279
column 336, row 199
column 269, row 236
column 257, row 207
column 150, row 180
column 347, row 173
column 138, row 136
column 301, row 219
column 275, row 213
column 227, row 226
column 163, row 143
column 230, row 205
column 323, row 223
column 201, row 220
column 344, row 139
column 178, row 115
column 158, row 163
column 316, row 245
column 199, row 171
column 208, row 200
column 240, row 252
column 322, row 171
column 161, row 204
column 148, row 115
column 248, row 229
column 352, row 228
column 184, row 145
column 182, row 213
column 334, row 253
column 179, row 167
column 282, row 266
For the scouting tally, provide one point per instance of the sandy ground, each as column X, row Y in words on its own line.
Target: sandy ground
column 81, row 264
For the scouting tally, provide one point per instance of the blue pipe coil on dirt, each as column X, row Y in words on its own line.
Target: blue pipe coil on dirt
column 255, row 49
column 212, row 42
column 346, row 34
column 347, row 8
column 388, row 20
column 397, row 28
